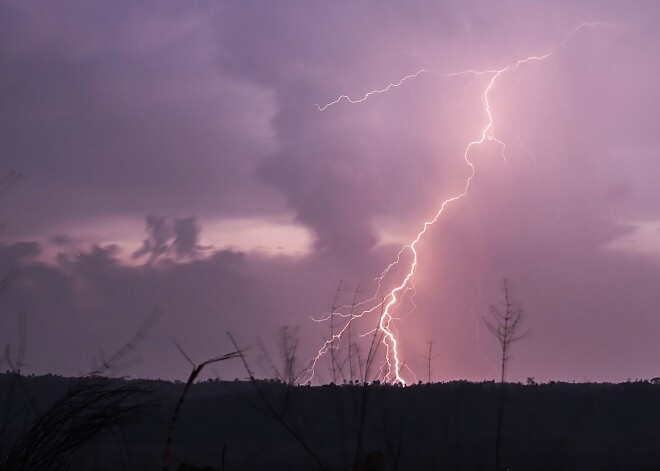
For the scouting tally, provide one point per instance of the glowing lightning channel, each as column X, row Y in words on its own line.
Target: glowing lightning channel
column 389, row 302
column 373, row 92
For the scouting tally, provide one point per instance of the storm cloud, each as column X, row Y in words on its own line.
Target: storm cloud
column 194, row 119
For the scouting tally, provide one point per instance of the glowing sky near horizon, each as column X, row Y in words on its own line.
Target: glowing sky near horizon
column 173, row 156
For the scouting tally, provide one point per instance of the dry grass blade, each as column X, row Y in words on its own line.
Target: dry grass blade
column 86, row 411
column 112, row 362
column 272, row 412
column 197, row 369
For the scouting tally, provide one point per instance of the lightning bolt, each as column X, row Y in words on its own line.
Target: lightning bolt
column 390, row 301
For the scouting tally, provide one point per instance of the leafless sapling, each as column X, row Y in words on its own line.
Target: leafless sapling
column 352, row 347
column 334, row 341
column 504, row 325
column 429, row 358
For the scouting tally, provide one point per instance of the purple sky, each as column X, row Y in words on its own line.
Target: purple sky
column 173, row 157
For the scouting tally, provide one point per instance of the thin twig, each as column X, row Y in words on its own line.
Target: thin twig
column 273, row 413
column 197, row 369
column 111, row 363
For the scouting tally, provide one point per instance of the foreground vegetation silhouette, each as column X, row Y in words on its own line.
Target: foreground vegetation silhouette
column 225, row 426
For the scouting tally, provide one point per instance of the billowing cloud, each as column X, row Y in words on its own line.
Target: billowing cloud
column 128, row 109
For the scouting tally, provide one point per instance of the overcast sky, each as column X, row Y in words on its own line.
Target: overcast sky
column 173, row 156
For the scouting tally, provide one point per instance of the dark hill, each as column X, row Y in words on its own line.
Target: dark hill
column 448, row 426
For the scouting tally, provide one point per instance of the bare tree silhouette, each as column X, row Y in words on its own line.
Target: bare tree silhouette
column 288, row 371
column 504, row 325
column 429, row 359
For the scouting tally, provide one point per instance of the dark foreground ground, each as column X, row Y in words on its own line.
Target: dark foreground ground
column 269, row 426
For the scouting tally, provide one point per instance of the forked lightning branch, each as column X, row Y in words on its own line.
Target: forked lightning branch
column 385, row 305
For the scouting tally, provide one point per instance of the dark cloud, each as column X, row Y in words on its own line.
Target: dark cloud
column 61, row 240
column 186, row 237
column 14, row 254
column 96, row 302
column 157, row 243
column 179, row 238
column 127, row 109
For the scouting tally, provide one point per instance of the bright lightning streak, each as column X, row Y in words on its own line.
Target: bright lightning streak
column 390, row 301
column 373, row 92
